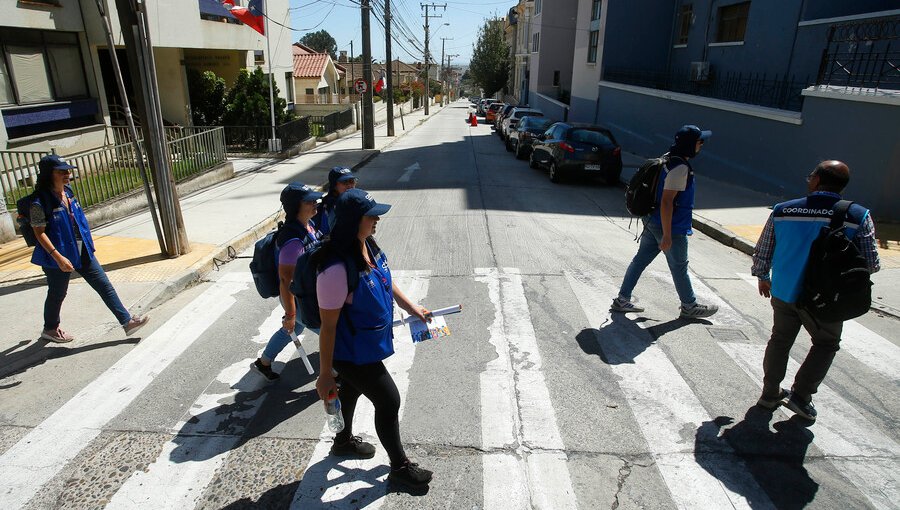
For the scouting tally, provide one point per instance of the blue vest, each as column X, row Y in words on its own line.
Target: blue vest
column 797, row 224
column 62, row 235
column 682, row 212
column 365, row 333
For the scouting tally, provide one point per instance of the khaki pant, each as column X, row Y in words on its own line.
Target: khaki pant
column 826, row 339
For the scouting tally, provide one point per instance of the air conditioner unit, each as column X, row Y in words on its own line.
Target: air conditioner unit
column 700, row 71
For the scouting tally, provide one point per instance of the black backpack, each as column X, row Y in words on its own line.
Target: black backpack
column 837, row 284
column 306, row 272
column 264, row 265
column 640, row 194
column 23, row 215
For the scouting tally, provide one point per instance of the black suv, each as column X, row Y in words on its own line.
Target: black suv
column 528, row 130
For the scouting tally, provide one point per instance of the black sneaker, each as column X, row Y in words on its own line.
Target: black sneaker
column 804, row 410
column 265, row 371
column 772, row 403
column 354, row 447
column 410, row 475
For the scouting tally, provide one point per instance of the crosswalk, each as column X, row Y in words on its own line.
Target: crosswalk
column 516, row 345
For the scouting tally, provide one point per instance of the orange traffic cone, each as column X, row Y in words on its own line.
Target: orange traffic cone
column 474, row 121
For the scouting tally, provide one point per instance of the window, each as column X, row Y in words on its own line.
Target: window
column 535, row 42
column 289, row 86
column 593, row 41
column 38, row 66
column 685, row 19
column 259, row 57
column 733, row 22
column 537, row 7
column 310, row 92
column 595, row 10
column 556, row 78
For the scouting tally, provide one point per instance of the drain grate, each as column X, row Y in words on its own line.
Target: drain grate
column 728, row 335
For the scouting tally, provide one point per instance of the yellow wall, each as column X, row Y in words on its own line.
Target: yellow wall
column 225, row 63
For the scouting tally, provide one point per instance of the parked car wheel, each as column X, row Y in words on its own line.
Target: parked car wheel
column 554, row 173
column 520, row 154
column 531, row 161
column 613, row 180
column 508, row 146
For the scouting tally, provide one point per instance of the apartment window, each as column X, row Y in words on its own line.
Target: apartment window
column 259, row 57
column 537, row 7
column 310, row 92
column 685, row 19
column 39, row 66
column 593, row 41
column 595, row 10
column 556, row 78
column 733, row 22
column 535, row 42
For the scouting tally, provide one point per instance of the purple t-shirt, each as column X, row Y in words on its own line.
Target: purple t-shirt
column 331, row 287
column 292, row 250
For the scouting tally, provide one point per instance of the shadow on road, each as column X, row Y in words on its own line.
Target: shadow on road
column 774, row 459
column 620, row 340
column 14, row 361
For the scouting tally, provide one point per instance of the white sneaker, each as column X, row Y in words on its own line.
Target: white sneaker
column 698, row 311
column 624, row 306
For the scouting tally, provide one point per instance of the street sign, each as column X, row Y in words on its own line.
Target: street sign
column 361, row 86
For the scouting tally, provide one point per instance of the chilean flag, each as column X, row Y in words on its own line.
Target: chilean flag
column 380, row 84
column 252, row 15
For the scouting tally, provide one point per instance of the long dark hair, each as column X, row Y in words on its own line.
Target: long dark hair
column 44, row 183
column 342, row 244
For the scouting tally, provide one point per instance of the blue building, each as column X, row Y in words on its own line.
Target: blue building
column 782, row 83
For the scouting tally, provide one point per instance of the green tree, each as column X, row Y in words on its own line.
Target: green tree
column 489, row 68
column 207, row 93
column 247, row 103
column 321, row 41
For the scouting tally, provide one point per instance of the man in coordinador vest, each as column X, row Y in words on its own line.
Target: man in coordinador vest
column 783, row 248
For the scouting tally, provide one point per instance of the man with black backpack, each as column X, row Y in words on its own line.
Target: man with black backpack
column 667, row 224
column 811, row 248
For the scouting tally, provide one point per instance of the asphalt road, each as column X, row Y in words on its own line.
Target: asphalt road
column 540, row 398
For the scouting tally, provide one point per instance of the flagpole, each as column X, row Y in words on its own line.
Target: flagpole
column 273, row 143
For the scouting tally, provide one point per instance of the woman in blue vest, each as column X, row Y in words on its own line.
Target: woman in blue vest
column 64, row 245
column 340, row 179
column 357, row 334
column 296, row 236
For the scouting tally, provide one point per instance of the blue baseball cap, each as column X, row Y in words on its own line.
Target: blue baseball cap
column 357, row 203
column 339, row 174
column 52, row 162
column 294, row 193
column 690, row 133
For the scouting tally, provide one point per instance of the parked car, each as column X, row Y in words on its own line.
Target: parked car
column 512, row 120
column 491, row 112
column 483, row 106
column 567, row 149
column 528, row 130
column 502, row 114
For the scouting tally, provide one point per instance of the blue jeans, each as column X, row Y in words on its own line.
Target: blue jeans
column 93, row 274
column 677, row 257
column 280, row 340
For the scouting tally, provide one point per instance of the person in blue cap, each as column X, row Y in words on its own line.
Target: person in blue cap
column 357, row 333
column 64, row 245
column 295, row 237
column 667, row 228
column 340, row 179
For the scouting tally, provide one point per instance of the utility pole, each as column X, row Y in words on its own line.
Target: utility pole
column 368, row 136
column 441, row 75
column 353, row 89
column 388, row 62
column 427, row 53
column 133, row 18
column 274, row 142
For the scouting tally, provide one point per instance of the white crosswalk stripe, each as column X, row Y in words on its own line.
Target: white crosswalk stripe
column 31, row 462
column 868, row 458
column 663, row 405
column 726, row 316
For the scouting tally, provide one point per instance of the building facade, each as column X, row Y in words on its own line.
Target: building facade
column 587, row 60
column 550, row 63
column 520, row 70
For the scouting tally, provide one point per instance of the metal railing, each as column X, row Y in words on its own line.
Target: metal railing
column 293, row 132
column 751, row 88
column 109, row 172
column 862, row 55
column 323, row 125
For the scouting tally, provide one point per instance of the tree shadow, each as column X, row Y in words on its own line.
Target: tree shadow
column 620, row 340
column 242, row 417
column 773, row 458
column 14, row 361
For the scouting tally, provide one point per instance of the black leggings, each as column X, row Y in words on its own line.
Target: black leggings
column 373, row 381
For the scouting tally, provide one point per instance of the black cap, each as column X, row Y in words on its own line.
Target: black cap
column 52, row 162
column 356, row 203
column 690, row 134
column 339, row 174
column 294, row 193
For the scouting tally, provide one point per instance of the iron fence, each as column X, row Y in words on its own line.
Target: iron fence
column 862, row 55
column 325, row 124
column 255, row 139
column 293, row 132
column 109, row 172
column 759, row 89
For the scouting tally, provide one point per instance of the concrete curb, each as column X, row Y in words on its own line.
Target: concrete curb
column 228, row 251
column 722, row 234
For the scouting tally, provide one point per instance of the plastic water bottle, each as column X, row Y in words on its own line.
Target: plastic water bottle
column 335, row 416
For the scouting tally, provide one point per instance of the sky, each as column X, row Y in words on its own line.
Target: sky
column 341, row 18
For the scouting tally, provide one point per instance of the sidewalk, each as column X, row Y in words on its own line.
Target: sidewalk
column 221, row 222
column 735, row 217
